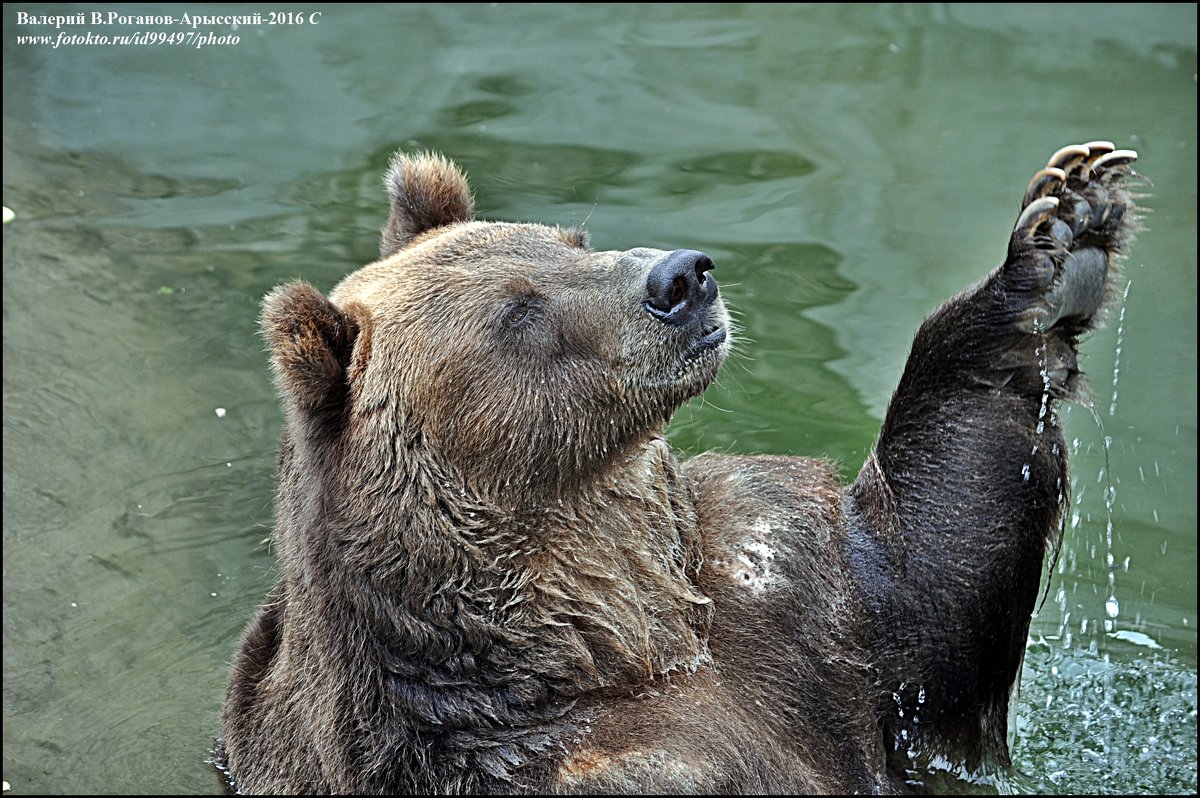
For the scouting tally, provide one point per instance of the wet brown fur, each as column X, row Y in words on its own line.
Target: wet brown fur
column 495, row 576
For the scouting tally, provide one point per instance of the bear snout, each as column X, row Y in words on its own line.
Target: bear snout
column 679, row 288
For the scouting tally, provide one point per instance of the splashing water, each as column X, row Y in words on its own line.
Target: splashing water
column 1093, row 716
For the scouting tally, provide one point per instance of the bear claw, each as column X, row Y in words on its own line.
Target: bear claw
column 1069, row 157
column 1034, row 215
column 1098, row 148
column 1050, row 179
column 1114, row 159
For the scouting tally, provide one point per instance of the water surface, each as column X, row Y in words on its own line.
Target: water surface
column 847, row 168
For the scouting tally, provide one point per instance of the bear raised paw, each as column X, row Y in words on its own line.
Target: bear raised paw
column 495, row 576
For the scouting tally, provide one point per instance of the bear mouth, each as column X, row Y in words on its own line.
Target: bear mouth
column 694, row 355
column 711, row 337
column 700, row 362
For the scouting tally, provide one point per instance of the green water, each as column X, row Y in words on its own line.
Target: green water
column 846, row 167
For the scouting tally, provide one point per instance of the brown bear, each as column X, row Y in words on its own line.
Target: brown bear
column 495, row 575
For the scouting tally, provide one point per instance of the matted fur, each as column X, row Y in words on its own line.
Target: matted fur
column 496, row 576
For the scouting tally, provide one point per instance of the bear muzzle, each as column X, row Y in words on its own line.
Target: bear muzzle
column 680, row 292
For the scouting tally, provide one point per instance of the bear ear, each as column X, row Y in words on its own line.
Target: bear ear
column 312, row 342
column 575, row 236
column 426, row 191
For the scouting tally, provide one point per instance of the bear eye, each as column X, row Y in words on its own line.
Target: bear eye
column 522, row 312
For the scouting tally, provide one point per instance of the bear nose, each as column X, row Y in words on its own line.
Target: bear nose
column 679, row 286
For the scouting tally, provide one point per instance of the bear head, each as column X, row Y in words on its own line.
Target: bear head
column 512, row 356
